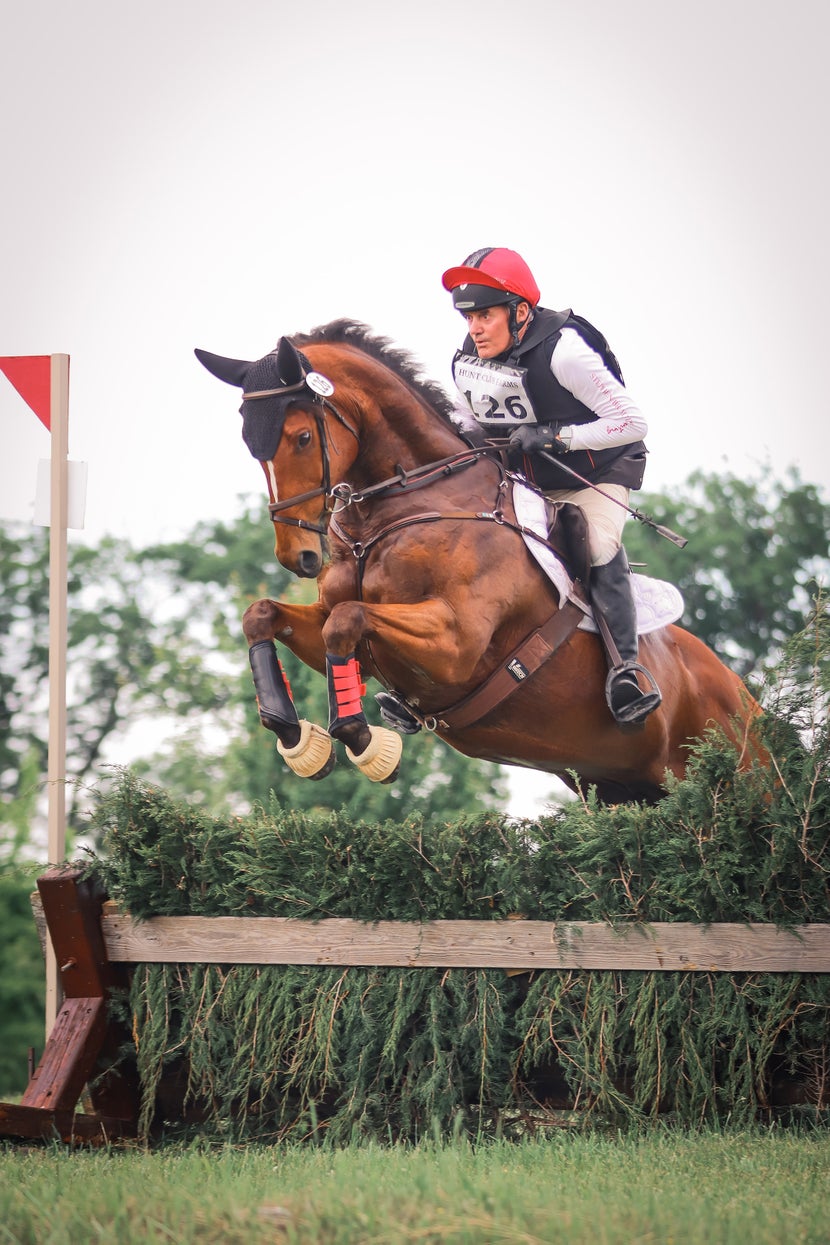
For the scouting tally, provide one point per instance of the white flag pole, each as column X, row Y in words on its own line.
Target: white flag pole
column 58, row 565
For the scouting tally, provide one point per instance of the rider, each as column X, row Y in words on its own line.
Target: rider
column 549, row 381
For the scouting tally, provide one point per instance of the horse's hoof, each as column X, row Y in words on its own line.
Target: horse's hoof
column 381, row 759
column 313, row 757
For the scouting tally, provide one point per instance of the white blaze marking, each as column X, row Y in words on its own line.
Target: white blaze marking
column 272, row 480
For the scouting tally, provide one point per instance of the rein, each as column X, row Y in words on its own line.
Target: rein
column 343, row 495
column 361, row 548
column 420, row 477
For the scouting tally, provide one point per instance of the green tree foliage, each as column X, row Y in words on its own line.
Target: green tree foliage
column 21, row 980
column 126, row 659
column 757, row 550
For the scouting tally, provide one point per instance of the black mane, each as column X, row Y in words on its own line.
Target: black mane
column 353, row 333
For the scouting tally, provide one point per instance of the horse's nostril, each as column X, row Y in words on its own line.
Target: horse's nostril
column 309, row 564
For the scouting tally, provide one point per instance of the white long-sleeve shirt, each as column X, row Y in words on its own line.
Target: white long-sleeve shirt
column 582, row 371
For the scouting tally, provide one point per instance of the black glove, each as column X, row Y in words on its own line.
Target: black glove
column 531, row 438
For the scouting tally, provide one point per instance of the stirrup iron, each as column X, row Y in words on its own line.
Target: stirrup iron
column 637, row 710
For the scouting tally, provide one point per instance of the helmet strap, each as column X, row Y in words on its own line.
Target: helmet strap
column 513, row 320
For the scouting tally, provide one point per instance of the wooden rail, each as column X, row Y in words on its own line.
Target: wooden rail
column 94, row 944
column 511, row 944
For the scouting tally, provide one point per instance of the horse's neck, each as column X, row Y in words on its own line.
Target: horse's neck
column 406, row 435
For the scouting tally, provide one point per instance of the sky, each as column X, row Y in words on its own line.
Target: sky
column 188, row 173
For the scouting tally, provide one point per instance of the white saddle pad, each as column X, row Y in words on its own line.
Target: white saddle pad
column 658, row 603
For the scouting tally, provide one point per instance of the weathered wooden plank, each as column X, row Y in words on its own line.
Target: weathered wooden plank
column 41, row 1123
column 83, row 1041
column 471, row 944
column 40, row 920
column 70, row 1055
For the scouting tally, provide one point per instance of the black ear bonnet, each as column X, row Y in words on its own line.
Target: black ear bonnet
column 263, row 418
column 269, row 386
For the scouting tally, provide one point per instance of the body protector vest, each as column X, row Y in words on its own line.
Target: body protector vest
column 519, row 388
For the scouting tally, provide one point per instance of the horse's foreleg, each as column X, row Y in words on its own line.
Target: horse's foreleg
column 298, row 627
column 375, row 750
column 273, row 695
column 305, row 747
column 424, row 635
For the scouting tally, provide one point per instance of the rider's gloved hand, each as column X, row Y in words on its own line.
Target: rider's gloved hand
column 555, row 438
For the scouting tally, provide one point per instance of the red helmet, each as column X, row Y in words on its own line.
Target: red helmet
column 496, row 269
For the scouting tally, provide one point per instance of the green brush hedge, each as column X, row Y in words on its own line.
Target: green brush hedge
column 388, row 1053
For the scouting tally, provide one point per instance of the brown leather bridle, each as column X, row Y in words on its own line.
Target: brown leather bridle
column 322, row 408
column 343, row 495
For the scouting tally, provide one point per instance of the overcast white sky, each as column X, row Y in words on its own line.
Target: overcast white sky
column 189, row 173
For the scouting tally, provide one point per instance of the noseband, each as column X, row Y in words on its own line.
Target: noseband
column 318, row 387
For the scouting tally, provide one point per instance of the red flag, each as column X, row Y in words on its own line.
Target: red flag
column 31, row 375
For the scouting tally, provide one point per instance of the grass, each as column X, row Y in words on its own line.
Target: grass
column 759, row 1187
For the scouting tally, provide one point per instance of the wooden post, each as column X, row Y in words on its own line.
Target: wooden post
column 83, row 1043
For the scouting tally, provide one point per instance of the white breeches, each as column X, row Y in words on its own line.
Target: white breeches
column 606, row 518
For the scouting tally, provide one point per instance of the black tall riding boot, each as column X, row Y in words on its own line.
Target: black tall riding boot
column 613, row 604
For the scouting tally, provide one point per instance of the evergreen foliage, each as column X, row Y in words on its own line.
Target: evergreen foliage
column 759, row 547
column 21, row 981
column 290, row 1051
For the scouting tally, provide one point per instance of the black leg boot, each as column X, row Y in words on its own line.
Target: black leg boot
column 613, row 605
column 273, row 696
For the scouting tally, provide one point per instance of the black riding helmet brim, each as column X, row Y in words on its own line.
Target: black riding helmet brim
column 469, row 297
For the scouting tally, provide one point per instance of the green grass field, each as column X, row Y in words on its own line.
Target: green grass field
column 754, row 1188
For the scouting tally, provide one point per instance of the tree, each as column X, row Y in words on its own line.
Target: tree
column 758, row 549
column 156, row 652
column 21, row 979
column 119, row 645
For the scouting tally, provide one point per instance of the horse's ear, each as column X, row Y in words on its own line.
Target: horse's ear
column 289, row 363
column 231, row 371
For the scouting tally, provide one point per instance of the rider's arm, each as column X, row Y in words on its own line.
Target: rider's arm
column 581, row 370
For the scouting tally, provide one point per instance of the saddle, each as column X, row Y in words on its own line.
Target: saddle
column 568, row 538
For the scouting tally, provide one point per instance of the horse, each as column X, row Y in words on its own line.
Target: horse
column 425, row 583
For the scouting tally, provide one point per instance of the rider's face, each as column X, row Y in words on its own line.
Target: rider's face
column 489, row 330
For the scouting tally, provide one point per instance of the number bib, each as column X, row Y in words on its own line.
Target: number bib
column 495, row 392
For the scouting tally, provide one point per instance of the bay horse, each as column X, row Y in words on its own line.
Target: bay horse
column 425, row 583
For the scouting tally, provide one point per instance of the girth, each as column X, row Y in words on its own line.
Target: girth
column 525, row 659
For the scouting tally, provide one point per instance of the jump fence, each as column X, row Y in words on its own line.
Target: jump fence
column 96, row 945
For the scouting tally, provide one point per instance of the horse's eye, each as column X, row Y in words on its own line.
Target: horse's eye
column 304, row 439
